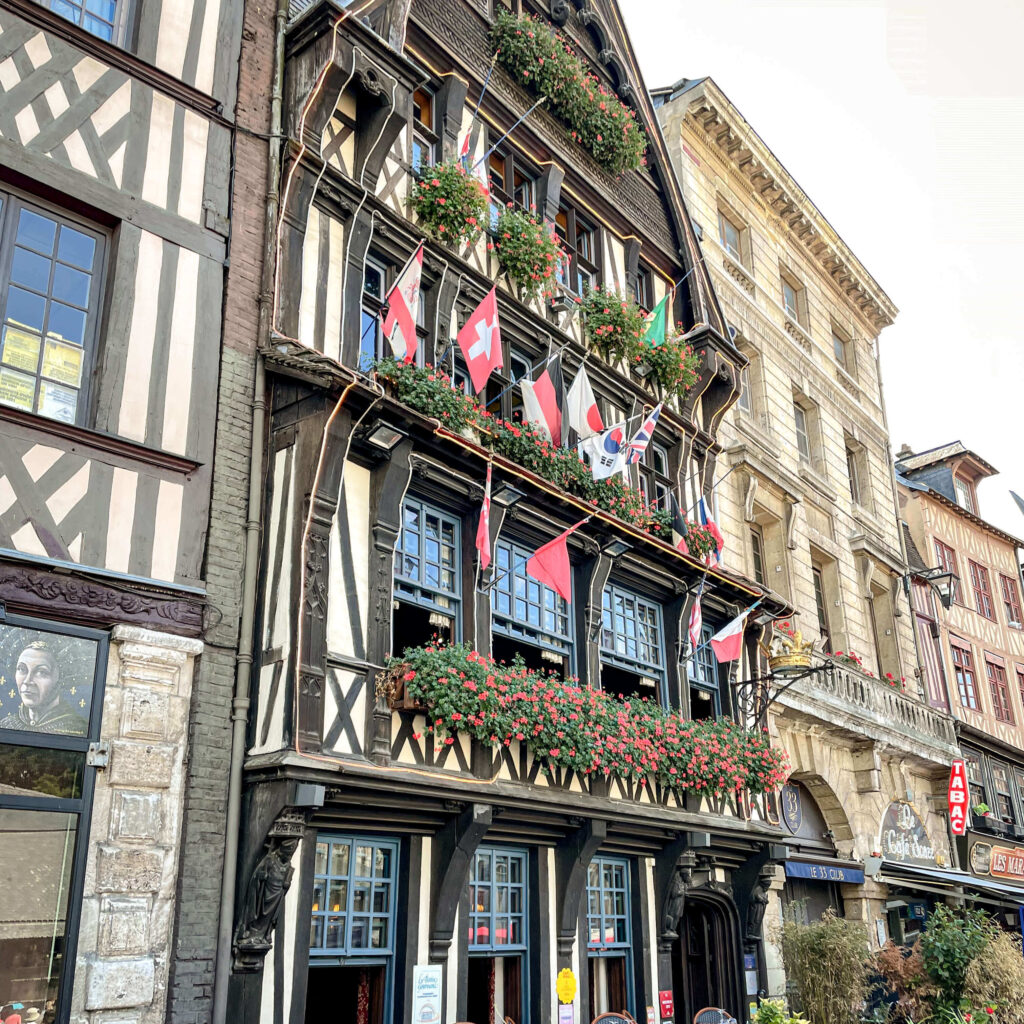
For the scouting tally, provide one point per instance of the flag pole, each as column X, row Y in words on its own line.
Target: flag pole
column 745, row 614
column 713, row 487
column 483, row 90
column 529, row 373
column 700, row 593
column 543, row 99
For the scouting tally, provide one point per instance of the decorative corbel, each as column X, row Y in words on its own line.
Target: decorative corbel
column 572, row 859
column 748, row 501
column 790, row 514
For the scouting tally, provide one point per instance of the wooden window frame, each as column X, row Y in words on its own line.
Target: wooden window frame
column 643, row 609
column 1002, row 706
column 757, row 561
column 643, row 287
column 1011, row 601
column 821, row 607
column 981, row 584
column 517, row 171
column 702, row 670
column 977, row 786
column 120, row 27
column 965, row 673
column 572, row 228
column 947, row 558
column 968, row 494
column 424, row 133
column 1008, row 813
column 805, row 449
column 596, row 894
column 655, row 479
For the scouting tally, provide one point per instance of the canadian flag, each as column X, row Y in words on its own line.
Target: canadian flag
column 403, row 302
column 584, row 415
column 727, row 643
column 542, row 400
column 480, row 341
column 483, row 530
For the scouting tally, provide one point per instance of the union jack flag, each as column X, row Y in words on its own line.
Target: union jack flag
column 639, row 444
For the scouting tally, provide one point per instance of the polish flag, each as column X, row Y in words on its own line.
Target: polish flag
column 584, row 415
column 403, row 302
column 483, row 530
column 549, row 564
column 542, row 400
column 727, row 643
column 480, row 341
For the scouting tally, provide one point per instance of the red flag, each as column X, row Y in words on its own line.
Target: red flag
column 696, row 623
column 403, row 302
column 483, row 530
column 480, row 341
column 549, row 564
column 542, row 400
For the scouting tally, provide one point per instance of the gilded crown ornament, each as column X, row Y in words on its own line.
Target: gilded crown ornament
column 788, row 651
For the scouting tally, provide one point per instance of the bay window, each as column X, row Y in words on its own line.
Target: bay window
column 632, row 649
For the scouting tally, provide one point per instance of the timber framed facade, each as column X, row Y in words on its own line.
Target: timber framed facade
column 115, row 159
column 369, row 846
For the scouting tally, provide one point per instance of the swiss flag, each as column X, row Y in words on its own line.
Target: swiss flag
column 542, row 400
column 483, row 530
column 727, row 643
column 403, row 302
column 480, row 341
column 549, row 564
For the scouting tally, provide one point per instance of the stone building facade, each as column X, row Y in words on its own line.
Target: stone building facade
column 808, row 506
column 115, row 165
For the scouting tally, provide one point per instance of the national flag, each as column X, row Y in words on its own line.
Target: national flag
column 464, row 151
column 581, row 406
column 643, row 436
column 607, row 451
column 696, row 621
column 714, row 557
column 657, row 324
column 480, row 341
column 727, row 643
column 542, row 400
column 679, row 528
column 549, row 564
column 483, row 530
column 403, row 302
column 475, row 169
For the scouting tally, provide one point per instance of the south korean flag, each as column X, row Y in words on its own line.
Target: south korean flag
column 606, row 451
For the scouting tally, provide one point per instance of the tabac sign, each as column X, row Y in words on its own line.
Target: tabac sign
column 958, row 798
column 903, row 837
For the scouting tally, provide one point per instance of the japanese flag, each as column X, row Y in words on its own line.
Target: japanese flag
column 584, row 416
column 480, row 341
column 403, row 302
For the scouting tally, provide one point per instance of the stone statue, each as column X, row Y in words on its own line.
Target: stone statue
column 266, row 890
column 674, row 903
column 756, row 908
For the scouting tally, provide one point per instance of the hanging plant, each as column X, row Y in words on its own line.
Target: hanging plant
column 451, row 205
column 584, row 729
column 673, row 364
column 540, row 58
column 613, row 324
column 528, row 250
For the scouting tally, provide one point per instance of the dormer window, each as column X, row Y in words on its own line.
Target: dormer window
column 965, row 496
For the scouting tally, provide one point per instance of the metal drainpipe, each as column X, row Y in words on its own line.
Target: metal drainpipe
column 244, row 657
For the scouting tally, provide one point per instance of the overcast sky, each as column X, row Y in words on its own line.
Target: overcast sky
column 903, row 121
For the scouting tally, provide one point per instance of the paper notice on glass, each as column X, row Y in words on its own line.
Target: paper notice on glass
column 62, row 362
column 426, row 993
column 16, row 389
column 57, row 402
column 21, row 348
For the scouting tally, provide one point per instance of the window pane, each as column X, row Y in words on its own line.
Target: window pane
column 36, row 851
column 36, row 231
column 36, row 771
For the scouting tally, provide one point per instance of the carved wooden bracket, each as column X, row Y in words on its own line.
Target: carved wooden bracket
column 573, row 858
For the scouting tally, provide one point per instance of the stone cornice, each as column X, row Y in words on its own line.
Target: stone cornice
column 710, row 110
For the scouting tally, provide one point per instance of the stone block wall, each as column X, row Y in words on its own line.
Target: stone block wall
column 131, row 875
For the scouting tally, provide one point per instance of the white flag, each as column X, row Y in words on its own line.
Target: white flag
column 607, row 451
column 584, row 416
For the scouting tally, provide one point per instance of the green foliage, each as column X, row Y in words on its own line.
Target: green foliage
column 429, row 391
column 773, row 1011
column 539, row 57
column 673, row 363
column 528, row 250
column 952, row 939
column 584, row 729
column 827, row 963
column 995, row 978
column 451, row 205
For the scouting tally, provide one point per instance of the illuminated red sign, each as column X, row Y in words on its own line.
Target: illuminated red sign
column 958, row 798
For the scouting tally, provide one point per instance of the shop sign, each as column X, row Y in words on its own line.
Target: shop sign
column 426, row 994
column 792, row 812
column 998, row 861
column 903, row 837
column 958, row 798
column 824, row 872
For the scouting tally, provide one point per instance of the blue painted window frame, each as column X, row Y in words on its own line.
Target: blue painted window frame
column 524, row 609
column 702, row 669
column 628, row 647
column 598, row 919
column 419, row 587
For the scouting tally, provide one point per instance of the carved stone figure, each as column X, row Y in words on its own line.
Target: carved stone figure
column 674, row 903
column 266, row 891
column 756, row 908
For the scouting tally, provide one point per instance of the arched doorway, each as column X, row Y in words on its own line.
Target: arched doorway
column 707, row 966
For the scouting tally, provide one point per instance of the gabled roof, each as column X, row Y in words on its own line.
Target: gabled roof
column 945, row 453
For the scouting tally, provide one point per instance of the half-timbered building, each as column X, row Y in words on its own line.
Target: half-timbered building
column 114, row 185
column 372, row 844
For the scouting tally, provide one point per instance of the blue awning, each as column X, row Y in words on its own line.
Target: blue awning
column 822, row 872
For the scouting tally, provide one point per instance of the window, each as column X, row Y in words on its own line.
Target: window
column 793, row 300
column 655, row 481
column 427, row 584
column 580, row 242
column 757, row 553
column 526, row 612
column 643, row 287
column 1000, row 691
column 963, row 669
column 632, row 657
column 352, row 922
column 50, row 300
column 1004, row 793
column 1011, row 601
column 822, row 609
column 854, row 474
column 100, row 18
column 842, row 349
column 947, row 559
column 745, row 400
column 1020, row 691
column 374, row 288
column 497, row 935
column 982, row 590
column 730, row 235
column 702, row 673
column 609, row 936
column 511, row 181
column 424, row 130
column 975, row 777
column 49, row 715
column 965, row 494
column 803, row 440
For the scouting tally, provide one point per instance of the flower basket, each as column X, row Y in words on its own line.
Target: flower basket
column 390, row 687
column 451, row 205
column 528, row 251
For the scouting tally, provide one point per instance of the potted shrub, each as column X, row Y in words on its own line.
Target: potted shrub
column 528, row 251
column 672, row 365
column 451, row 204
column 611, row 324
column 981, row 816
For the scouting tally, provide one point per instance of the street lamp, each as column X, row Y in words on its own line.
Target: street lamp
column 942, row 580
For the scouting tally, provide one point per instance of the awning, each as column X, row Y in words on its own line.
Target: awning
column 942, row 881
column 825, row 871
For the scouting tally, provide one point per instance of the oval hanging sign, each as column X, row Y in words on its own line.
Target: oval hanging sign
column 903, row 837
column 792, row 811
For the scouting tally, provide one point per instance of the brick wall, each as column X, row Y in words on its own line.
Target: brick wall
column 202, row 855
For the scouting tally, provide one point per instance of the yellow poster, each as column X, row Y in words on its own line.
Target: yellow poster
column 16, row 389
column 21, row 348
column 565, row 985
column 62, row 361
